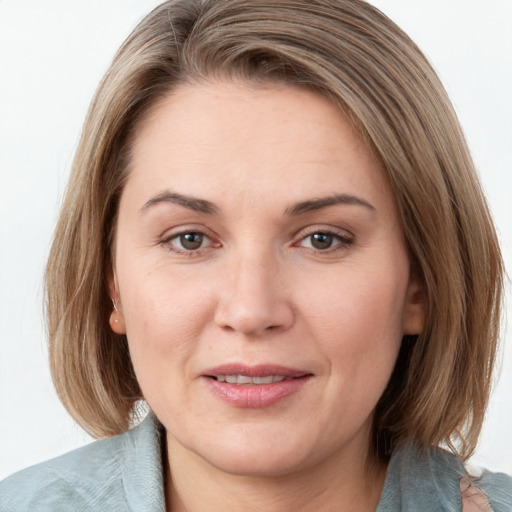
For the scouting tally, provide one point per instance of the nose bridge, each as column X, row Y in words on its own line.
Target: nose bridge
column 253, row 298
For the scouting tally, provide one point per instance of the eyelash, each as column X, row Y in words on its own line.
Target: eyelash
column 168, row 242
column 344, row 241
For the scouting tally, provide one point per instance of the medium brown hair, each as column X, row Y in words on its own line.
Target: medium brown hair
column 351, row 53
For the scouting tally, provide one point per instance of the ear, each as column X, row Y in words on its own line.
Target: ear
column 117, row 323
column 415, row 312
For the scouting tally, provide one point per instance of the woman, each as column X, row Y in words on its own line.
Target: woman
column 274, row 235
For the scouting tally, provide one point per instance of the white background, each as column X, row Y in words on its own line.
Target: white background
column 53, row 54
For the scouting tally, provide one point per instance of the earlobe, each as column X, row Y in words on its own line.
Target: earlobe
column 116, row 321
column 415, row 308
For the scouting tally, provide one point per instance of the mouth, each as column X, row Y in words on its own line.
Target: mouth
column 242, row 375
column 244, row 380
column 255, row 386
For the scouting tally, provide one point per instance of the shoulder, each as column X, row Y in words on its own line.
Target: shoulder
column 498, row 489
column 91, row 478
column 428, row 480
column 80, row 478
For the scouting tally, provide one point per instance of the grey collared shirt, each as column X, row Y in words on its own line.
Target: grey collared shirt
column 124, row 473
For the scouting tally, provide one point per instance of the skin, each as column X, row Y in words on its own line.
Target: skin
column 259, row 291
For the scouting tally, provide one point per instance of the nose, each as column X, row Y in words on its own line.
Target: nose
column 252, row 299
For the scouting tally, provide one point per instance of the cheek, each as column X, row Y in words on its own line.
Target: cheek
column 164, row 320
column 164, row 315
column 357, row 319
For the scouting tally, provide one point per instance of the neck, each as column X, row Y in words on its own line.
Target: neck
column 353, row 483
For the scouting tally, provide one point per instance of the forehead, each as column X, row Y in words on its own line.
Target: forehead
column 234, row 138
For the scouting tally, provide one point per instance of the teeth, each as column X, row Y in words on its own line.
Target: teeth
column 244, row 379
column 262, row 380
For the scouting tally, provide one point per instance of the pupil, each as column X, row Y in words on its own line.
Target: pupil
column 191, row 241
column 321, row 241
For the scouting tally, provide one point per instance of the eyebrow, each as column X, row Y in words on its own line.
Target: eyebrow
column 324, row 202
column 192, row 203
column 207, row 207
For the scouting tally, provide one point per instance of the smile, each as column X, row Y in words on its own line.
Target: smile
column 241, row 380
column 255, row 387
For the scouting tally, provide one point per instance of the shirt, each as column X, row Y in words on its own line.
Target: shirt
column 124, row 473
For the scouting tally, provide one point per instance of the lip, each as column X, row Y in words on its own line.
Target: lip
column 255, row 396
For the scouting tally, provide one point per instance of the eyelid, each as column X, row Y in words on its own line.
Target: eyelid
column 345, row 237
column 322, row 228
column 169, row 235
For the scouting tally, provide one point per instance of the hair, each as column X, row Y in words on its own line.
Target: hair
column 354, row 55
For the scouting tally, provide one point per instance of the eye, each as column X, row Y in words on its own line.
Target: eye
column 325, row 241
column 187, row 242
column 321, row 240
column 190, row 241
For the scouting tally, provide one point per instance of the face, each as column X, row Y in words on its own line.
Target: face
column 261, row 277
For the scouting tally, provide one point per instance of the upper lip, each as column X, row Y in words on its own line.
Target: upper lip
column 260, row 370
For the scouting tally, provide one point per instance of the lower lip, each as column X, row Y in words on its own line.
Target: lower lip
column 255, row 396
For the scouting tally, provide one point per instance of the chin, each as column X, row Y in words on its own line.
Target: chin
column 257, row 453
column 260, row 463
